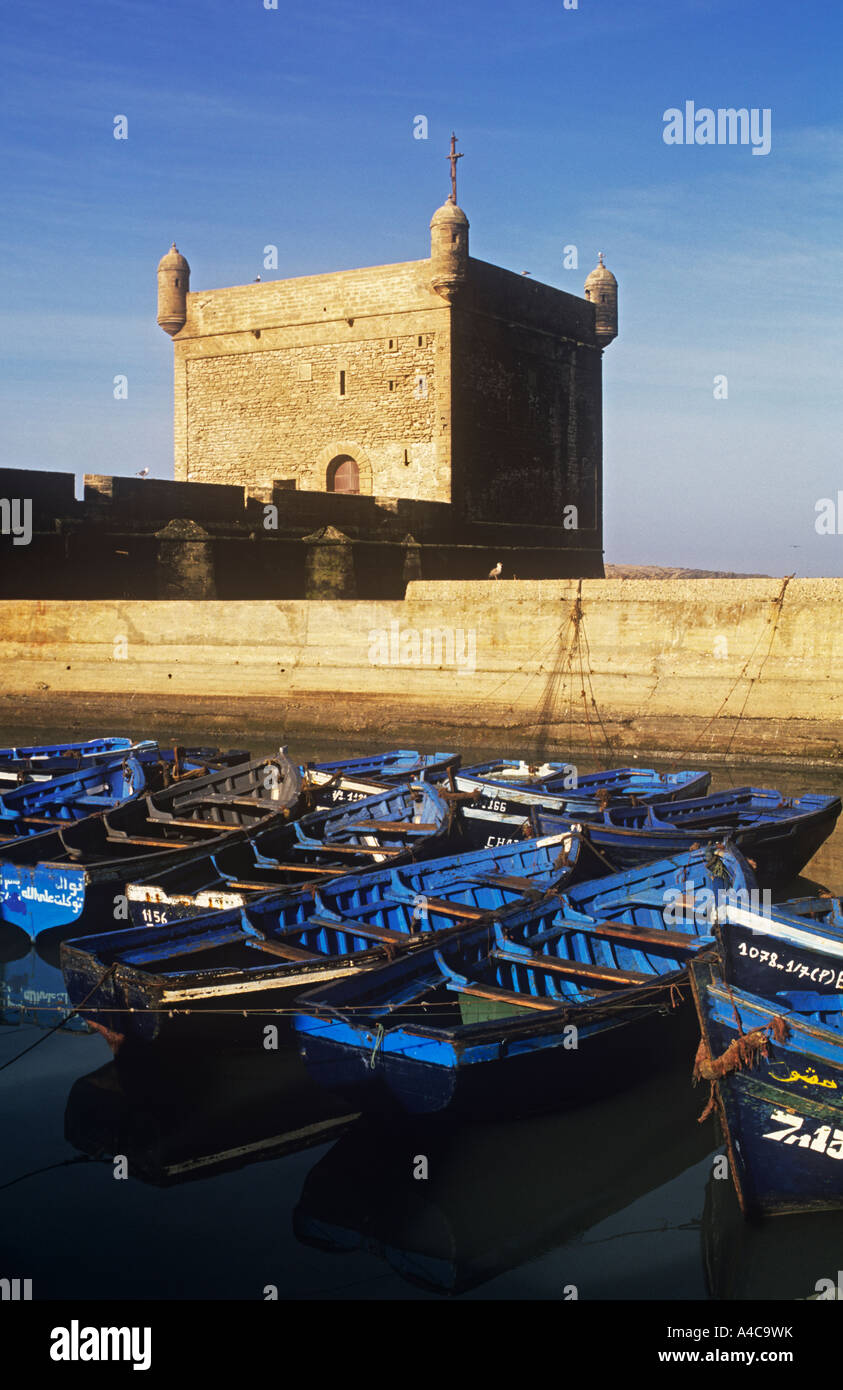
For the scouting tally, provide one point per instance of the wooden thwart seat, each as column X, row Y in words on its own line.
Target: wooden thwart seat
column 574, row 969
column 140, row 840
column 214, row 825
column 459, row 911
column 402, row 827
column 364, row 929
column 520, row 885
column 307, row 869
column 635, row 936
column 254, row 803
column 277, row 948
column 328, row 847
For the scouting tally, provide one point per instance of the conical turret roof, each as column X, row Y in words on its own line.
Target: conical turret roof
column 174, row 260
column 600, row 275
column 449, row 213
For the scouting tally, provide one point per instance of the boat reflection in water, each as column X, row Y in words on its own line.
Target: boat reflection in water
column 186, row 1115
column 497, row 1194
column 783, row 1257
column 31, row 987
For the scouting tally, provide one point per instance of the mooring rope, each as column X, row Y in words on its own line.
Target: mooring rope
column 573, row 645
column 773, row 617
column 50, row 1168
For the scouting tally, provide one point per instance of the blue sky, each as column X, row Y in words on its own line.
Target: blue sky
column 294, row 126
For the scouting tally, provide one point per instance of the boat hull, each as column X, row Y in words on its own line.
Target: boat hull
column 495, row 1079
column 191, row 976
column 783, row 1117
column 779, row 849
column 126, row 1005
column 324, row 844
column 584, row 798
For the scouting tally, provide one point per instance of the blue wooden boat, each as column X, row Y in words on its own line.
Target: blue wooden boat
column 791, row 958
column 820, row 911
column 74, row 875
column 79, row 793
column 393, row 826
column 514, row 788
column 93, row 747
column 164, row 978
column 14, row 770
column 538, row 1007
column 353, row 779
column 779, row 834
column 776, row 1077
column 29, row 804
column 161, row 765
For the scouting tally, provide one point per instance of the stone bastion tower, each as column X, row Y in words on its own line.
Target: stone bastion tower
column 446, row 380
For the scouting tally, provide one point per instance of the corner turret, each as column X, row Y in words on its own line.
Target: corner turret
column 449, row 239
column 448, row 250
column 601, row 288
column 173, row 286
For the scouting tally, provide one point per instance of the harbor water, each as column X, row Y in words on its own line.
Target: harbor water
column 225, row 1173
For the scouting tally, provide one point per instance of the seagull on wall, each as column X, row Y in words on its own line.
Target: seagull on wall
column 497, row 571
column 143, row 473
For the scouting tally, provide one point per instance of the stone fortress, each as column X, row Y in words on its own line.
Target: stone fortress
column 353, row 431
column 441, row 380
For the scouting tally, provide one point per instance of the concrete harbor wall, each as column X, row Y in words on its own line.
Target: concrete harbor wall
column 739, row 667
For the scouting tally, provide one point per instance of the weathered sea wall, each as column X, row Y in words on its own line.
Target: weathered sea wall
column 739, row 667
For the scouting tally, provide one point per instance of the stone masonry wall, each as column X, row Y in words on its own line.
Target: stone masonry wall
column 257, row 392
column 527, row 404
column 678, row 667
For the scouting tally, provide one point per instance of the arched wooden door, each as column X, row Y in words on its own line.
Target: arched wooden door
column 343, row 474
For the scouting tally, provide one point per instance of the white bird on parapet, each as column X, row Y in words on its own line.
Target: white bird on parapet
column 497, row 571
column 143, row 473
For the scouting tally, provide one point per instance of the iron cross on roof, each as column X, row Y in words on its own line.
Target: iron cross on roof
column 453, row 157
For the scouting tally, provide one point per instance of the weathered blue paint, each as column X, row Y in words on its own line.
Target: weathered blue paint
column 75, row 794
column 350, row 838
column 780, row 834
column 784, row 1116
column 394, row 1036
column 335, row 925
column 66, row 876
column 381, row 769
column 514, row 788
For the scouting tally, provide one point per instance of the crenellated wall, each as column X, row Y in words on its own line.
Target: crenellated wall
column 116, row 542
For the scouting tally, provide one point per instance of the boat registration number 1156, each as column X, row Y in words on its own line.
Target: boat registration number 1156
column 818, row 1141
